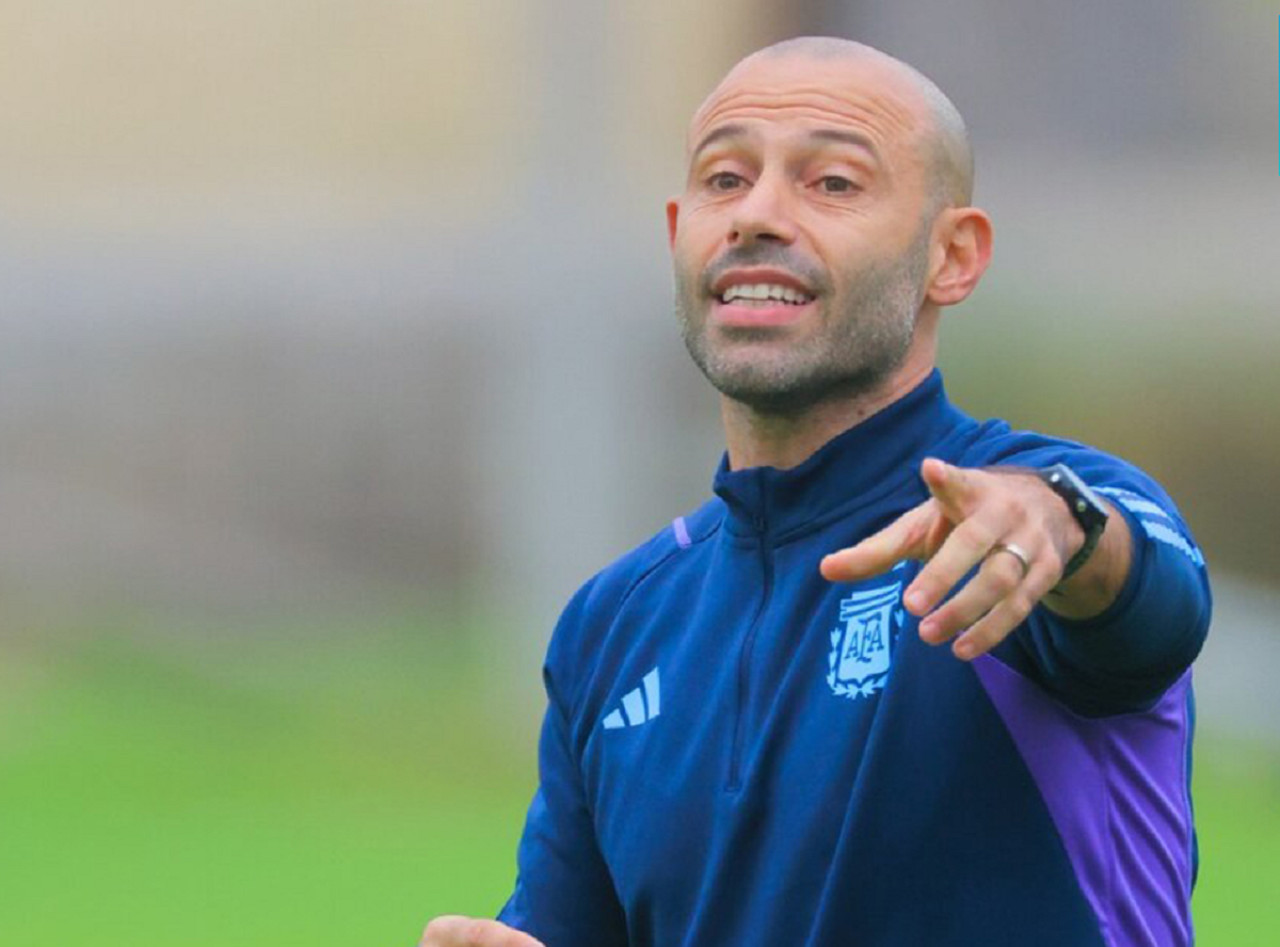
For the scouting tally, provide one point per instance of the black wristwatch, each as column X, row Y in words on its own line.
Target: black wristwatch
column 1089, row 511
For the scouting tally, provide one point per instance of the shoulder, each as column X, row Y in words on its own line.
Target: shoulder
column 609, row 588
column 578, row 642
column 998, row 444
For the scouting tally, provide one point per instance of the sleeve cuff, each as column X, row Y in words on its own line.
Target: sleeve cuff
column 1128, row 591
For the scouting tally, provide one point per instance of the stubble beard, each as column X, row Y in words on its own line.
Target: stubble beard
column 852, row 352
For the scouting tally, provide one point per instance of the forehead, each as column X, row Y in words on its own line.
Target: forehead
column 864, row 96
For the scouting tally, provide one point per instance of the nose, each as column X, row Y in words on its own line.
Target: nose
column 763, row 213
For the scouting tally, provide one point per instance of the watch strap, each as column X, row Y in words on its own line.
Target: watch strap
column 1085, row 507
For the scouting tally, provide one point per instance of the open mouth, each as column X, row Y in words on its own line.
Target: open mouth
column 764, row 295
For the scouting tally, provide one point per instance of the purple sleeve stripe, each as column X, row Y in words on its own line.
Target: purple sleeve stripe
column 1116, row 789
column 681, row 529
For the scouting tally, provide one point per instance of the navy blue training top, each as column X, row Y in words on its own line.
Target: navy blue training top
column 738, row 752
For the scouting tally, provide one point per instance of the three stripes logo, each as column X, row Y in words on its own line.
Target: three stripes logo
column 638, row 706
column 1156, row 523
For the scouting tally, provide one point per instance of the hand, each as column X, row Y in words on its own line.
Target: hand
column 967, row 518
column 453, row 931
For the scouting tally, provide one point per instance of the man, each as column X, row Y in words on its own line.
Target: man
column 755, row 735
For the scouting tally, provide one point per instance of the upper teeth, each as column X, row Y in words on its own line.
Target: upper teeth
column 764, row 291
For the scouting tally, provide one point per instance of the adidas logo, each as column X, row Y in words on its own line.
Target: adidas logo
column 638, row 706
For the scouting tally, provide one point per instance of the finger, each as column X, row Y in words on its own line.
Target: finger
column 965, row 548
column 995, row 581
column 904, row 538
column 456, row 931
column 998, row 623
column 955, row 488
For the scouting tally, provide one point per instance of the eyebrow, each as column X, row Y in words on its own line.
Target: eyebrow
column 717, row 134
column 834, row 135
column 840, row 136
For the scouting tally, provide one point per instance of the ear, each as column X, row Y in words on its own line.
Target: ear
column 673, row 214
column 964, row 239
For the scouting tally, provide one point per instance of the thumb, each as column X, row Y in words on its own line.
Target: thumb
column 905, row 538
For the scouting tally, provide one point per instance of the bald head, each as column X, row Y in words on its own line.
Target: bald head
column 830, row 168
column 944, row 140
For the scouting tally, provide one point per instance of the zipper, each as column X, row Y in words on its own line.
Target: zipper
column 734, row 782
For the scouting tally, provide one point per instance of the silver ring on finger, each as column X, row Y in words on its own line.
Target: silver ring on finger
column 1017, row 552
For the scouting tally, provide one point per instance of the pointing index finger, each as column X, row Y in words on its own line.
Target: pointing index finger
column 951, row 486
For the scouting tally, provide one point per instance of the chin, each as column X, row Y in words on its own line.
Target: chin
column 770, row 394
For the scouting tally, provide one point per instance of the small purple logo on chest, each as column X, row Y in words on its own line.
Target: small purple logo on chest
column 862, row 645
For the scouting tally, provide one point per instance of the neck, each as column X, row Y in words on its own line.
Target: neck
column 755, row 439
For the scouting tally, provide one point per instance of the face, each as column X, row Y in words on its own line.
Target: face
column 801, row 240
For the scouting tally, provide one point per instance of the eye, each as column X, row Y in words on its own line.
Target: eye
column 725, row 181
column 835, row 184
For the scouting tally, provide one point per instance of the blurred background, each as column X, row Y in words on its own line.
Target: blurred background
column 336, row 351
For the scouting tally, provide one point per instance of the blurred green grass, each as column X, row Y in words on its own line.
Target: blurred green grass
column 309, row 786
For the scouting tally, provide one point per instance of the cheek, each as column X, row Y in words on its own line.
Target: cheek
column 854, row 240
column 696, row 242
column 686, row 262
column 704, row 222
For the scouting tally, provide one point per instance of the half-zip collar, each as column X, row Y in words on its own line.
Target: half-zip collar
column 858, row 463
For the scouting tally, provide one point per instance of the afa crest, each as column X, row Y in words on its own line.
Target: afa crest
column 862, row 645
